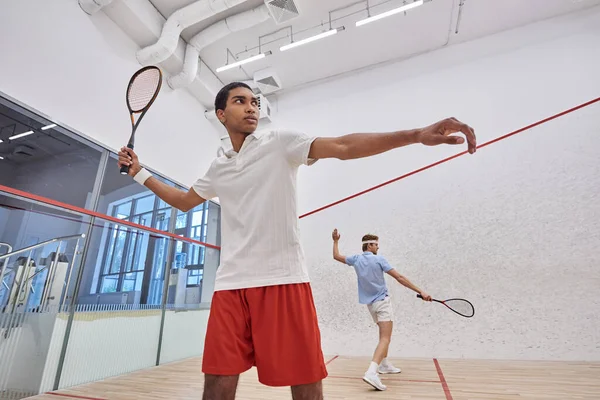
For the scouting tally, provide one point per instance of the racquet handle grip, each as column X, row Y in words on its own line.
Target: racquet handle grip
column 419, row 296
column 125, row 168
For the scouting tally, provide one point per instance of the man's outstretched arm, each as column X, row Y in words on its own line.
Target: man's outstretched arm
column 359, row 145
column 404, row 281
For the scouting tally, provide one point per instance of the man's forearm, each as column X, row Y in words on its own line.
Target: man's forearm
column 336, row 251
column 358, row 145
column 168, row 194
column 405, row 282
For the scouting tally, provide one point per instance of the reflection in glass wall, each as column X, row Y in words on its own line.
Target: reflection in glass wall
column 23, row 223
column 41, row 158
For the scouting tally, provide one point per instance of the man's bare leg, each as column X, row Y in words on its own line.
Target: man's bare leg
column 220, row 387
column 311, row 391
column 385, row 335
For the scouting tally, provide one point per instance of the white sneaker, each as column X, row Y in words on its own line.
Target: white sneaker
column 373, row 380
column 388, row 369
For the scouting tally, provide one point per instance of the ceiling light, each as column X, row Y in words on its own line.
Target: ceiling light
column 49, row 127
column 1, row 158
column 391, row 12
column 1, row 140
column 20, row 135
column 242, row 62
column 311, row 39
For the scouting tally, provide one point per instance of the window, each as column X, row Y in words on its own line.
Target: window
column 192, row 224
column 129, row 259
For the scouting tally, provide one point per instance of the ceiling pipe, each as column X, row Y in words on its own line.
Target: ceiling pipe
column 210, row 35
column 93, row 6
column 176, row 23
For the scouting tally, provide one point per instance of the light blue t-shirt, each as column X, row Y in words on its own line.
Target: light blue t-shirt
column 370, row 270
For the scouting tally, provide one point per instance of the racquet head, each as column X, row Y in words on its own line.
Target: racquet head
column 143, row 88
column 460, row 306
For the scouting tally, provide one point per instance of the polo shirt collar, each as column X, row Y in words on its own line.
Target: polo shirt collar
column 232, row 153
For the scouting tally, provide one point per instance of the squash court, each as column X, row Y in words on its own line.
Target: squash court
column 201, row 185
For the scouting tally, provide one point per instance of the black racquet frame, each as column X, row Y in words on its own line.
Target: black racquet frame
column 125, row 168
column 444, row 303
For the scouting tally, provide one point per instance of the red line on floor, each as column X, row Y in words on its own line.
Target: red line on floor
column 74, row 396
column 442, row 380
column 387, row 378
column 452, row 157
column 330, row 361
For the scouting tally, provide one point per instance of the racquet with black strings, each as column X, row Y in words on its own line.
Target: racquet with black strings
column 460, row 306
column 142, row 90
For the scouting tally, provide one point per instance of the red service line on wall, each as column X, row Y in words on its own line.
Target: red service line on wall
column 452, row 157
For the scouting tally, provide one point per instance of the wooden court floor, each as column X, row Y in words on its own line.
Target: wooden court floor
column 420, row 379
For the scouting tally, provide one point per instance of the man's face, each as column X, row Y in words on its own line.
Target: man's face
column 373, row 248
column 241, row 113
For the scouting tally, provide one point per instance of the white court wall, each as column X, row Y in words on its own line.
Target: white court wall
column 76, row 71
column 515, row 228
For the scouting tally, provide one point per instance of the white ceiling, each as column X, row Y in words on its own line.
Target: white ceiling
column 422, row 29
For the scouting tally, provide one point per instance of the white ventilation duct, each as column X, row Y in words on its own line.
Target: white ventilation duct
column 210, row 35
column 92, row 6
column 176, row 23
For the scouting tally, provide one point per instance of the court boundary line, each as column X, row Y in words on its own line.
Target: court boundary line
column 442, row 379
column 416, row 171
column 74, row 396
column 386, row 378
column 332, row 360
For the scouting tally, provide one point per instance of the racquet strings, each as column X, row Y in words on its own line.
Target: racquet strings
column 143, row 89
column 463, row 307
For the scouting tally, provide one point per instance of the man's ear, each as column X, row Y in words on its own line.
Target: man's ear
column 220, row 115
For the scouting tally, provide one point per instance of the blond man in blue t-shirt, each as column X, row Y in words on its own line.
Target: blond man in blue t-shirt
column 373, row 292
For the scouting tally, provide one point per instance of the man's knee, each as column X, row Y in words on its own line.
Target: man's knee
column 220, row 387
column 311, row 391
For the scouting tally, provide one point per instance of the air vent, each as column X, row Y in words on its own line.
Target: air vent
column 267, row 81
column 282, row 10
column 264, row 107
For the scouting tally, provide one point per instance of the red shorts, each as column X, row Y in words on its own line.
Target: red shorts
column 274, row 328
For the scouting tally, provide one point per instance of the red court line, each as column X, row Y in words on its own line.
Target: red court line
column 452, row 157
column 101, row 216
column 330, row 361
column 387, row 378
column 73, row 396
column 442, row 379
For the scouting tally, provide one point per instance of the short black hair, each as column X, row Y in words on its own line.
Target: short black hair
column 223, row 95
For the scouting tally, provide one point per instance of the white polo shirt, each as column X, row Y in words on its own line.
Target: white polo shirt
column 260, row 240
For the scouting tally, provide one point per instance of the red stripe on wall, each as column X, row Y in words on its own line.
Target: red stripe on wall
column 451, row 158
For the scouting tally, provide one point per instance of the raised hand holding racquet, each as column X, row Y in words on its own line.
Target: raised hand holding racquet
column 142, row 90
column 460, row 306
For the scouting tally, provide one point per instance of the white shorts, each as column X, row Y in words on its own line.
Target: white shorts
column 382, row 310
